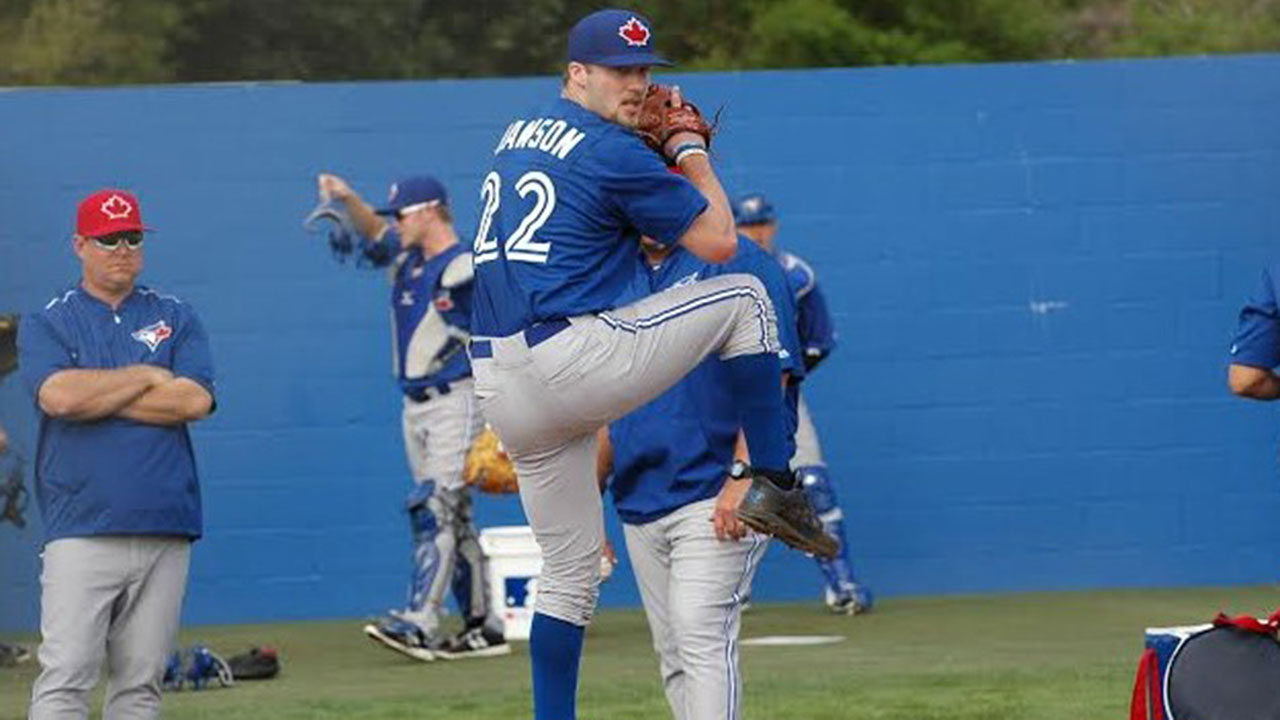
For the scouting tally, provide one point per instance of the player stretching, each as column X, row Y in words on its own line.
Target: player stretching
column 431, row 304
column 757, row 220
column 571, row 189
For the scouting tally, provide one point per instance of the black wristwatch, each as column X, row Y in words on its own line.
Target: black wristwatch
column 739, row 470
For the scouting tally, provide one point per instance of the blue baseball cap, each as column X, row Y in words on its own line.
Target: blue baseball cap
column 415, row 190
column 613, row 37
column 753, row 209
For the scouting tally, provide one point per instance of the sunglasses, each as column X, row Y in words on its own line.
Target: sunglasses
column 130, row 238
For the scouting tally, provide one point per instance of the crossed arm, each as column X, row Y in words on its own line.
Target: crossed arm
column 143, row 393
column 1253, row 382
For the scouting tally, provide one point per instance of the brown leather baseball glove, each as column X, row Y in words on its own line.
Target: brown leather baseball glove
column 659, row 119
column 488, row 467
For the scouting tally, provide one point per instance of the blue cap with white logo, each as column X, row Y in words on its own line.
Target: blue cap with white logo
column 753, row 209
column 416, row 190
column 613, row 37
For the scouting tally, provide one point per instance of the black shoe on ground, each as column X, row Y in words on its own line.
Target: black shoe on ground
column 404, row 637
column 11, row 655
column 786, row 515
column 474, row 642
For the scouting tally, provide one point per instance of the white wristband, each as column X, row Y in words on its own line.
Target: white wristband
column 689, row 152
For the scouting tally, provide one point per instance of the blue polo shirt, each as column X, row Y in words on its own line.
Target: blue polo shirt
column 1257, row 341
column 677, row 449
column 114, row 476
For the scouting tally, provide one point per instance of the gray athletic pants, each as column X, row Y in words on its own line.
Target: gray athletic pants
column 437, row 435
column 808, row 449
column 693, row 587
column 546, row 403
column 112, row 598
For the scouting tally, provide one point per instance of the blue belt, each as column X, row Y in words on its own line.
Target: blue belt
column 428, row 392
column 534, row 335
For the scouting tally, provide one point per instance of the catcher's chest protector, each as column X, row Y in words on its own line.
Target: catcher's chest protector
column 1229, row 670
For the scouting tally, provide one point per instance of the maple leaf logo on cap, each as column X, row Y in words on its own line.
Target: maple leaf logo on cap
column 634, row 32
column 116, row 208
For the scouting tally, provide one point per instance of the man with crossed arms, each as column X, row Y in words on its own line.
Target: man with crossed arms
column 117, row 371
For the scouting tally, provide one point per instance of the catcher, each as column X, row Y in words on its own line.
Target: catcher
column 413, row 237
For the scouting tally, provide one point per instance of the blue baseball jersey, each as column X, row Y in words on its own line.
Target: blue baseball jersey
column 431, row 302
column 1257, row 341
column 568, row 196
column 813, row 320
column 677, row 449
column 115, row 476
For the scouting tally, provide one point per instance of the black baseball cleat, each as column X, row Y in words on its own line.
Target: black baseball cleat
column 404, row 637
column 786, row 515
column 478, row 641
column 11, row 655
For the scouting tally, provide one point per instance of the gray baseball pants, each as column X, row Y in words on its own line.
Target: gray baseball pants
column 547, row 401
column 112, row 598
column 437, row 435
column 693, row 587
column 808, row 450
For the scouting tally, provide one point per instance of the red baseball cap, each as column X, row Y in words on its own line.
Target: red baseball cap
column 109, row 211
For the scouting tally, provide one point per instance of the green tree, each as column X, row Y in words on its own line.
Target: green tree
column 95, row 42
column 89, row 42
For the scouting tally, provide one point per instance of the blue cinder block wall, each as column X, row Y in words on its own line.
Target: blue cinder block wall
column 1035, row 269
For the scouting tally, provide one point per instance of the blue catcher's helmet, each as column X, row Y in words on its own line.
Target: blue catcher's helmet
column 753, row 209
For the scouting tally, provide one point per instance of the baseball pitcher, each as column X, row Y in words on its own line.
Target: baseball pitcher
column 571, row 188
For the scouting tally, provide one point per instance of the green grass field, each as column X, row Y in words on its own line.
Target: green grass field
column 1051, row 656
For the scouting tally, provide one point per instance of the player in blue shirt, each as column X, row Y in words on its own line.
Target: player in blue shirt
column 1255, row 353
column 431, row 288
column 117, row 371
column 571, row 189
column 10, row 654
column 676, row 486
column 757, row 219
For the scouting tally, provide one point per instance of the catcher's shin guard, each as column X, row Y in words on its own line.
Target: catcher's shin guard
column 470, row 582
column 424, row 591
column 837, row 571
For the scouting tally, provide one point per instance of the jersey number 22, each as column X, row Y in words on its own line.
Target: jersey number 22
column 521, row 246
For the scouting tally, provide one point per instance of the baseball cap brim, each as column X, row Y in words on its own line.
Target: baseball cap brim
column 393, row 209
column 630, row 60
column 113, row 229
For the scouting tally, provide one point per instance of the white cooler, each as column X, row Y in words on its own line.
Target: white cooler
column 514, row 562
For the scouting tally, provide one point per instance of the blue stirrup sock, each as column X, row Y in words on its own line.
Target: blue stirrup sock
column 757, row 387
column 555, row 650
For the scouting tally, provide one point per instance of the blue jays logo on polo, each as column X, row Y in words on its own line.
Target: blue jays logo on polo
column 686, row 280
column 634, row 32
column 116, row 208
column 153, row 334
